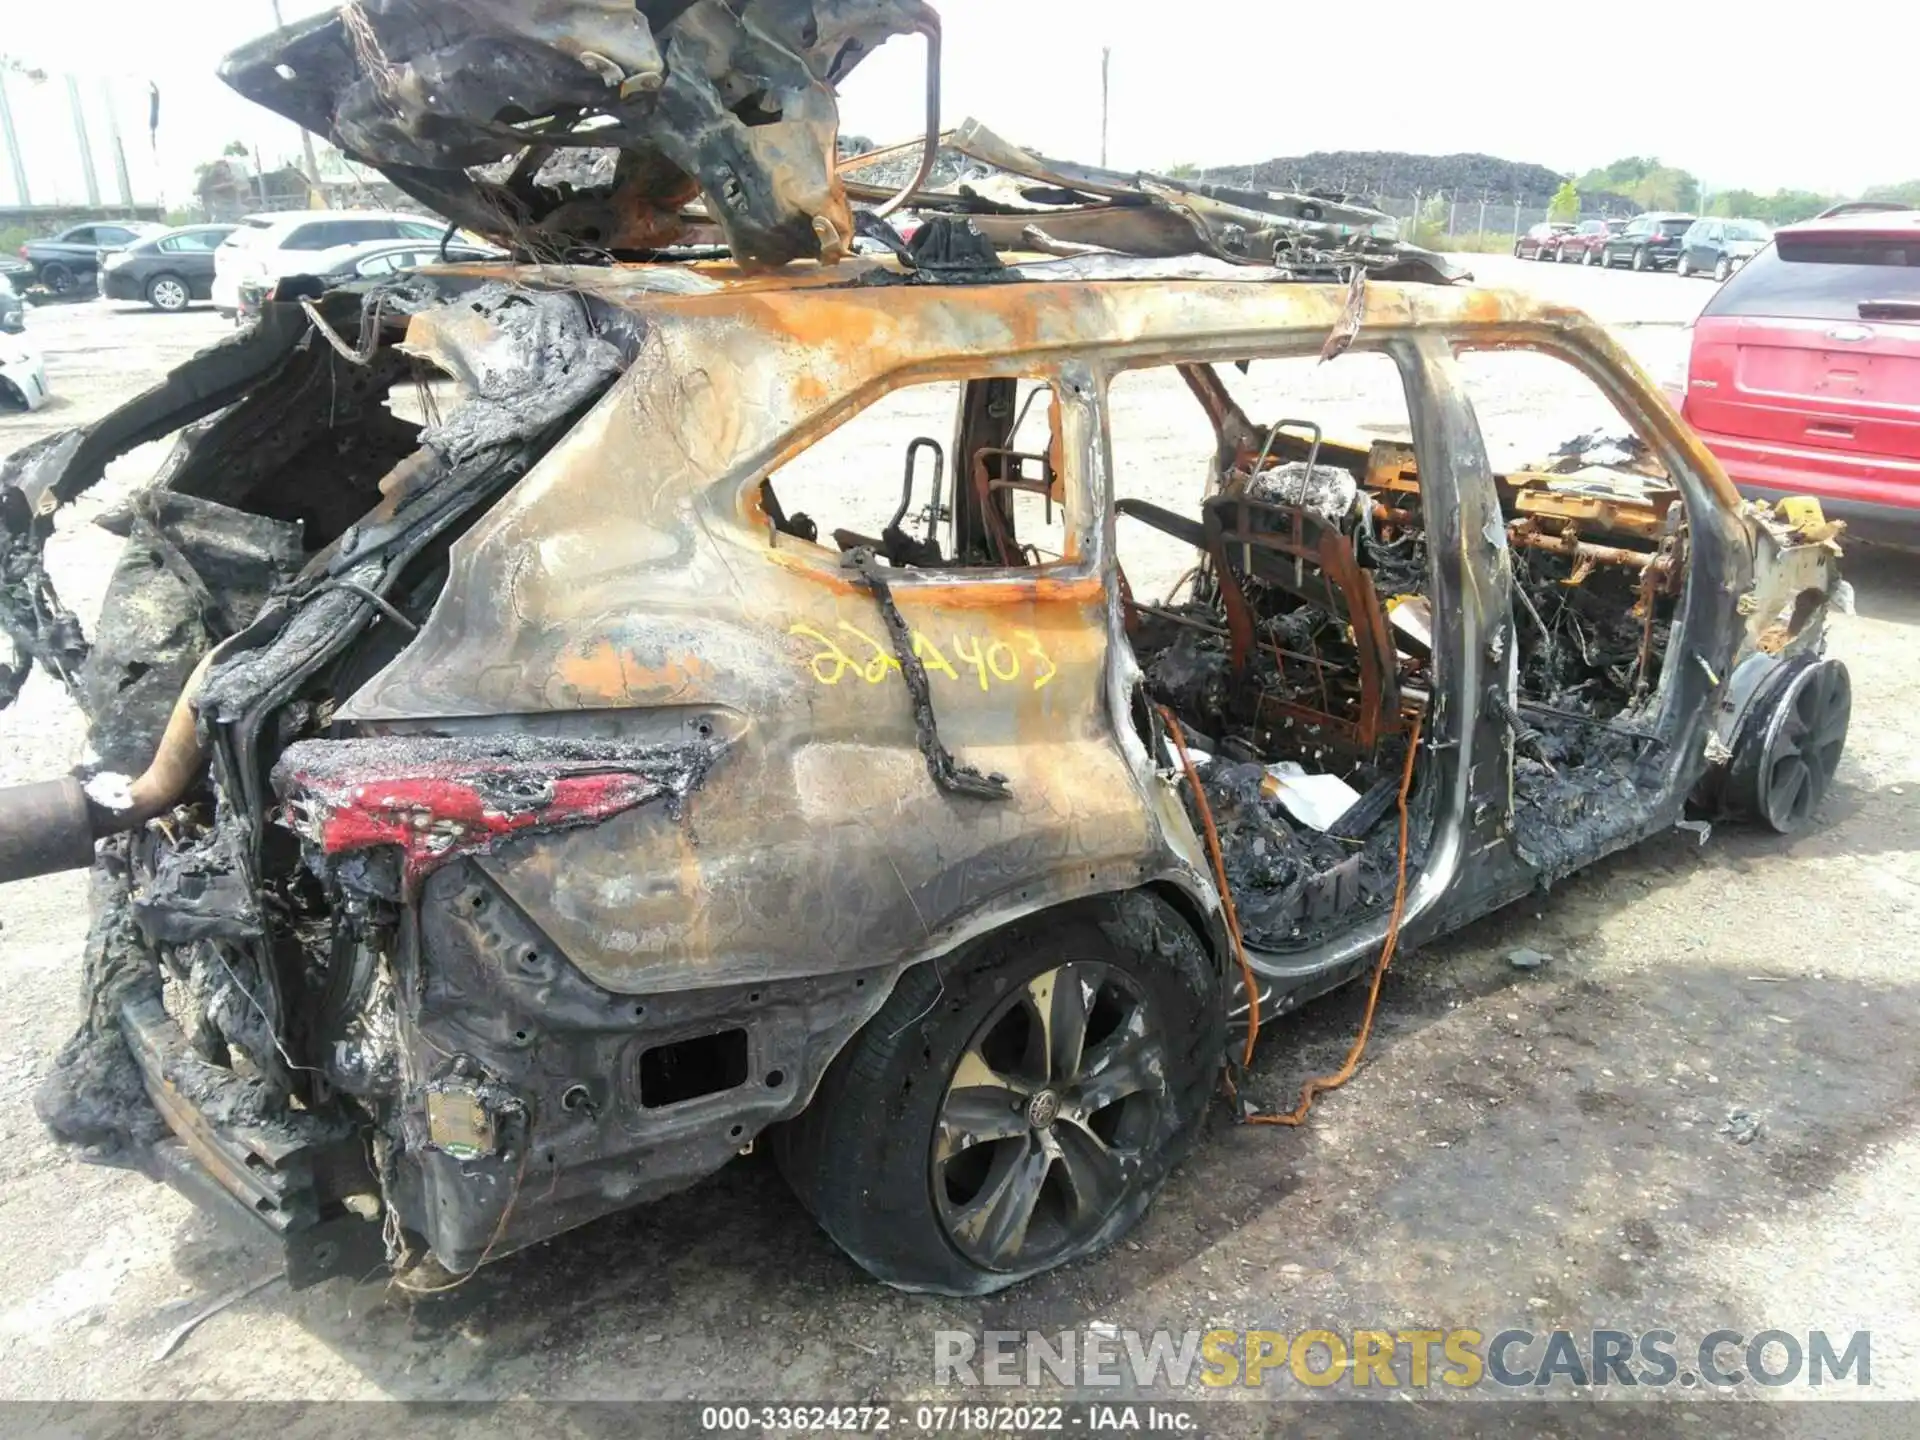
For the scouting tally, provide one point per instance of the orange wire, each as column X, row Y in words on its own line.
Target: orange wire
column 1315, row 1086
column 1220, row 876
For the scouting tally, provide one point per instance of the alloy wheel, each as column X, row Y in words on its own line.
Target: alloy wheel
column 169, row 294
column 1805, row 737
column 1048, row 1117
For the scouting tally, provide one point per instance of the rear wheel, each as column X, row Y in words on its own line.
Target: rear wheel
column 1640, row 259
column 1682, row 267
column 1791, row 746
column 1016, row 1106
column 1586, row 256
column 1722, row 268
column 169, row 293
column 57, row 278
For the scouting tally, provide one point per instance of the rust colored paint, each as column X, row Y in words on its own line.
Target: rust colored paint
column 605, row 674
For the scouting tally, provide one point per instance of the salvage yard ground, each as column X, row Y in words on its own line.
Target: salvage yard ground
column 1545, row 1148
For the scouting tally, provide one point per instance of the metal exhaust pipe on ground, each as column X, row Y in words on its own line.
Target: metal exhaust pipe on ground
column 44, row 827
column 51, row 825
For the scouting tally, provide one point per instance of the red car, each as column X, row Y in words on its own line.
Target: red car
column 1804, row 377
column 1540, row 242
column 1582, row 245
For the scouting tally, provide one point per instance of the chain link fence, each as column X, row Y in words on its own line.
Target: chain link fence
column 1482, row 219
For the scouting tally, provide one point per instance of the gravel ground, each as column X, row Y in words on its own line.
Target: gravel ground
column 1542, row 1148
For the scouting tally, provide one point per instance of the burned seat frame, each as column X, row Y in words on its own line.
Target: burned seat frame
column 1277, row 545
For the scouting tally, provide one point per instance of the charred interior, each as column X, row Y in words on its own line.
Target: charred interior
column 1301, row 654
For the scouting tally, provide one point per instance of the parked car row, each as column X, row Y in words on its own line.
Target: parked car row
column 65, row 263
column 265, row 248
column 170, row 269
column 1563, row 241
column 1658, row 240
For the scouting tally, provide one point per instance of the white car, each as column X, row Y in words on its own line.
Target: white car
column 23, row 375
column 266, row 247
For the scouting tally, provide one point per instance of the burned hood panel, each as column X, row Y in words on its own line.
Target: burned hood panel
column 733, row 101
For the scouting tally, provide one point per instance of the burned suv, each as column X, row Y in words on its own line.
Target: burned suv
column 536, row 799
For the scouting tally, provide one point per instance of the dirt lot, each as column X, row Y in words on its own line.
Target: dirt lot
column 1542, row 1148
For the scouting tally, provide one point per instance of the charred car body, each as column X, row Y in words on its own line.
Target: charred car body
column 531, row 810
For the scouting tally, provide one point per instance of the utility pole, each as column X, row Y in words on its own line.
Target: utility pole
column 314, row 188
column 13, row 144
column 1106, row 61
column 119, row 149
column 86, row 145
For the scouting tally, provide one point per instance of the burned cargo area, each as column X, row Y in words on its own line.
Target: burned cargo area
column 295, row 538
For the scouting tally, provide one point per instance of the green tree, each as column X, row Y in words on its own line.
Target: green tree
column 1646, row 182
column 1783, row 207
column 236, row 147
column 1565, row 204
column 1906, row 192
column 1185, row 170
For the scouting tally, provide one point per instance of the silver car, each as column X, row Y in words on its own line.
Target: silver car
column 23, row 375
column 13, row 310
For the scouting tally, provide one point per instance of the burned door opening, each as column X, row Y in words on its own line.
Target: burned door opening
column 1294, row 642
column 1600, row 552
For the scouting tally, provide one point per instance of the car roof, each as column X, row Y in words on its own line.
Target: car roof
column 292, row 219
column 863, row 282
column 300, row 217
column 367, row 249
column 222, row 226
column 1900, row 224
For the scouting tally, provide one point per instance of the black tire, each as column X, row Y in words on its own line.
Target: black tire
column 1516, row 251
column 1559, row 256
column 169, row 293
column 1722, row 268
column 58, row 279
column 1586, row 256
column 909, row 1172
column 1640, row 260
column 1682, row 266
column 1790, row 745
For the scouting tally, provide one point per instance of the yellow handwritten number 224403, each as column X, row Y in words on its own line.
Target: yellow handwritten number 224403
column 988, row 661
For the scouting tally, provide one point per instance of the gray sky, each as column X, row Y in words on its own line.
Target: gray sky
column 1759, row 105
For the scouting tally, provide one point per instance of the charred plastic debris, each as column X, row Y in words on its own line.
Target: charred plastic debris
column 1022, row 201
